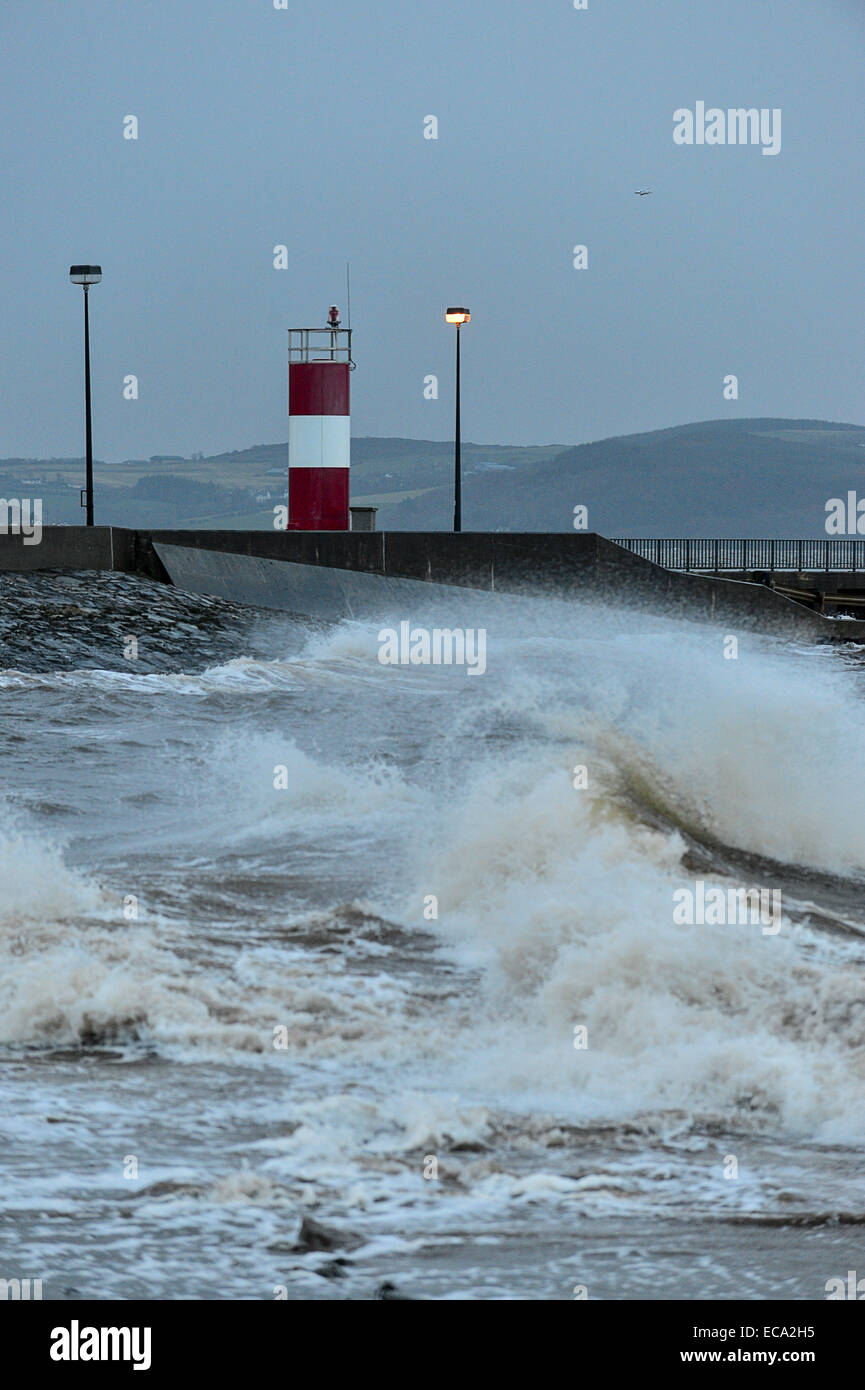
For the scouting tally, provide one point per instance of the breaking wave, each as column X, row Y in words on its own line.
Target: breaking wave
column 553, row 901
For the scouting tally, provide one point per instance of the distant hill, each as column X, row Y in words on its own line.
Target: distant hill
column 759, row 477
column 715, row 478
column 241, row 488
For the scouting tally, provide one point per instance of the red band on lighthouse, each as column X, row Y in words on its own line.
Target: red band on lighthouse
column 318, row 446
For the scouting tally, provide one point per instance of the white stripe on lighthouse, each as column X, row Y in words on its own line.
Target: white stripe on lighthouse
column 319, row 441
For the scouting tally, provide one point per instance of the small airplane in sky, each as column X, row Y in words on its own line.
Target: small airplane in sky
column 642, row 192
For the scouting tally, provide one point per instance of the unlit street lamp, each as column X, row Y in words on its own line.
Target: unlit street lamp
column 87, row 275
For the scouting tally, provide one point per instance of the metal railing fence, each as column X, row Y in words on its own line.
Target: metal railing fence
column 846, row 554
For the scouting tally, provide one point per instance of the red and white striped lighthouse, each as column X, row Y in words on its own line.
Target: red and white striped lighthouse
column 319, row 422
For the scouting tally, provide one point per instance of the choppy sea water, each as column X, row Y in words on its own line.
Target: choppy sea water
column 293, row 947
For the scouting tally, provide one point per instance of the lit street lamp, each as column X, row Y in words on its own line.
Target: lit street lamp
column 87, row 275
column 459, row 317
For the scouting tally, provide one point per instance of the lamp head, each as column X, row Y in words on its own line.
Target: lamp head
column 85, row 274
column 457, row 316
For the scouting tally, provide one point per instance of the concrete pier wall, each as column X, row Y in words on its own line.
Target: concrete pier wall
column 336, row 574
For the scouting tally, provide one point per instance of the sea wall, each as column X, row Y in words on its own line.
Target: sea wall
column 337, row 574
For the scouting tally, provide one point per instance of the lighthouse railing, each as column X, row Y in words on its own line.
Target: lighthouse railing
column 319, row 345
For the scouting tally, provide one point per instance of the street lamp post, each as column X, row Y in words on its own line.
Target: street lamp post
column 459, row 317
column 87, row 275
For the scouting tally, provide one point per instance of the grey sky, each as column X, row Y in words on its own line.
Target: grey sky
column 304, row 127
